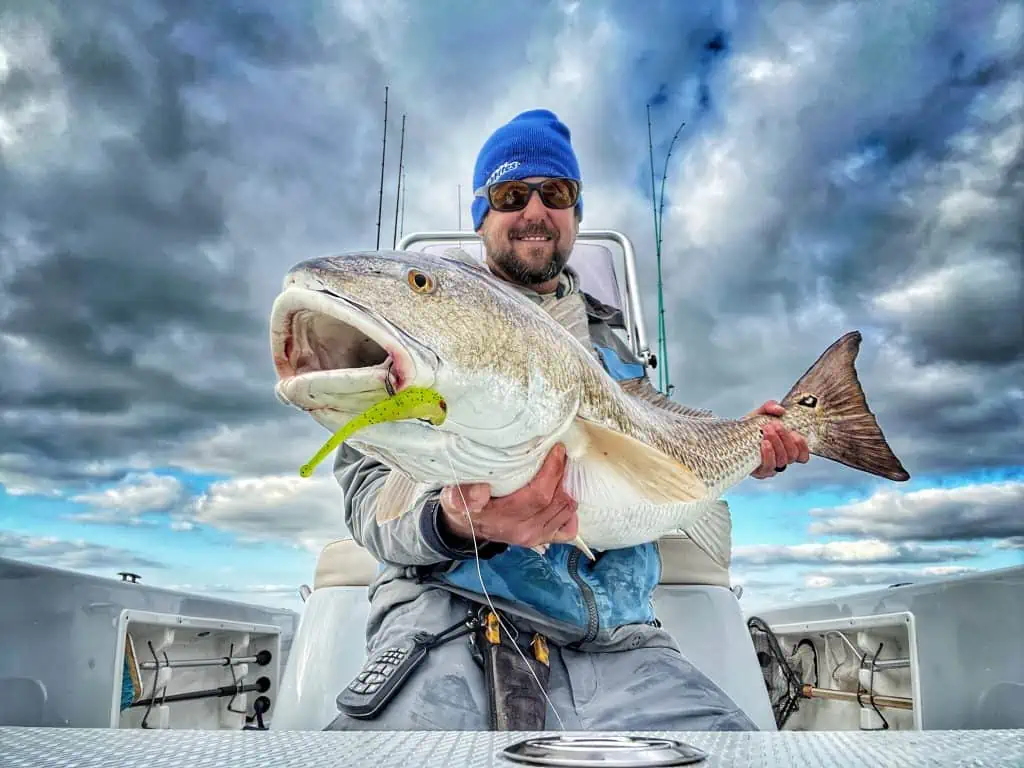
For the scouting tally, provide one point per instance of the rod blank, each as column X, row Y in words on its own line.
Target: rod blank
column 891, row 702
column 262, row 685
column 262, row 659
column 890, row 663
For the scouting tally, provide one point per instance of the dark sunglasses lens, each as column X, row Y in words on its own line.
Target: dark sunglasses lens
column 509, row 195
column 559, row 193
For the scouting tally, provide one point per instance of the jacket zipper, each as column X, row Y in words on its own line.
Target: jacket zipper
column 593, row 624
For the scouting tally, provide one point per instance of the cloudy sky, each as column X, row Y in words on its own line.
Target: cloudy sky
column 844, row 165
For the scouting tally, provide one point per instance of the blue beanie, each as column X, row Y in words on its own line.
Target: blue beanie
column 533, row 143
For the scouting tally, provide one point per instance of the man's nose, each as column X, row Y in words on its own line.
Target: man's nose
column 535, row 207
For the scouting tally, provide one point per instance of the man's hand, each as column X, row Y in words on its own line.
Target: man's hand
column 780, row 446
column 539, row 513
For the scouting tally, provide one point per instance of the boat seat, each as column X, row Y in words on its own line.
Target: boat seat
column 694, row 604
column 344, row 563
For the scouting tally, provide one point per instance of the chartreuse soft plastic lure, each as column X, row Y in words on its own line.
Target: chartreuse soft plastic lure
column 411, row 403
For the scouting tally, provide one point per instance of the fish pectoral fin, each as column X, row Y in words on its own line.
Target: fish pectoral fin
column 712, row 532
column 609, row 467
column 582, row 547
column 396, row 496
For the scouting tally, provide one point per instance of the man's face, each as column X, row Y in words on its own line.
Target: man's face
column 531, row 246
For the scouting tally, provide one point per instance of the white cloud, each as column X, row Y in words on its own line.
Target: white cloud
column 865, row 551
column 21, row 476
column 967, row 512
column 303, row 511
column 29, row 123
column 982, row 279
column 869, row 577
column 138, row 494
column 270, row 595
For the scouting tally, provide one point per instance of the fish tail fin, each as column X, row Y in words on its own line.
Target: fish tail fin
column 846, row 429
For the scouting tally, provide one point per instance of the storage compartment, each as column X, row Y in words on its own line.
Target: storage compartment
column 193, row 673
column 859, row 673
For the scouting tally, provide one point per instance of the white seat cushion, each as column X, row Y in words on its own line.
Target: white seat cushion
column 343, row 563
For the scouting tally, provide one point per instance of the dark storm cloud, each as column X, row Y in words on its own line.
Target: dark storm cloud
column 836, row 172
column 854, row 174
column 133, row 310
column 206, row 150
column 70, row 554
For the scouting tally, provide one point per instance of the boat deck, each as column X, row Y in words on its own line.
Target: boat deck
column 101, row 748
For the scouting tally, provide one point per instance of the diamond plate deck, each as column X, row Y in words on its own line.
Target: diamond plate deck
column 104, row 748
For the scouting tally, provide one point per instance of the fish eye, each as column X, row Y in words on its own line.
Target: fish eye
column 809, row 401
column 420, row 282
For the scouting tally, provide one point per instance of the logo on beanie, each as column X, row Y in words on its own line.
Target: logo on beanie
column 500, row 171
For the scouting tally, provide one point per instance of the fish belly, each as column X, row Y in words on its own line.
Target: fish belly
column 604, row 527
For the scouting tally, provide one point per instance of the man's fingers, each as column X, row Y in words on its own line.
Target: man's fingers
column 770, row 408
column 787, row 445
column 778, row 447
column 550, row 472
column 565, row 516
column 466, row 498
column 768, row 465
column 792, row 450
column 478, row 496
column 804, row 451
column 538, row 494
column 568, row 530
column 552, row 520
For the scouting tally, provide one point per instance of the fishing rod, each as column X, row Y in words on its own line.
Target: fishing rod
column 401, row 226
column 261, row 659
column 262, row 685
column 881, row 700
column 383, row 154
column 658, row 210
column 398, row 192
column 657, row 246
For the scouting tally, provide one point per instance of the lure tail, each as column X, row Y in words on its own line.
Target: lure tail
column 411, row 403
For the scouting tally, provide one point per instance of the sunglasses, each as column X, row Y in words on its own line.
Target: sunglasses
column 508, row 196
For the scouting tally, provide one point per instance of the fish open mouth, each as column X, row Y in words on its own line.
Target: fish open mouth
column 326, row 347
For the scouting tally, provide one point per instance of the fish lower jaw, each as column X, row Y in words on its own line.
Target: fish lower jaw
column 348, row 392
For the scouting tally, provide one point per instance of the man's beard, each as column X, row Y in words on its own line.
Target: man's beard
column 518, row 270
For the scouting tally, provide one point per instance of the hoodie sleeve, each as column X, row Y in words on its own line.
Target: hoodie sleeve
column 418, row 537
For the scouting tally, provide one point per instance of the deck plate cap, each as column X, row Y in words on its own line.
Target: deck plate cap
column 605, row 751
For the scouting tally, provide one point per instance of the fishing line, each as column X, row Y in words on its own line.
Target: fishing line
column 480, row 576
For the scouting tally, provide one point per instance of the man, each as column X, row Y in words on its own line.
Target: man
column 610, row 666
